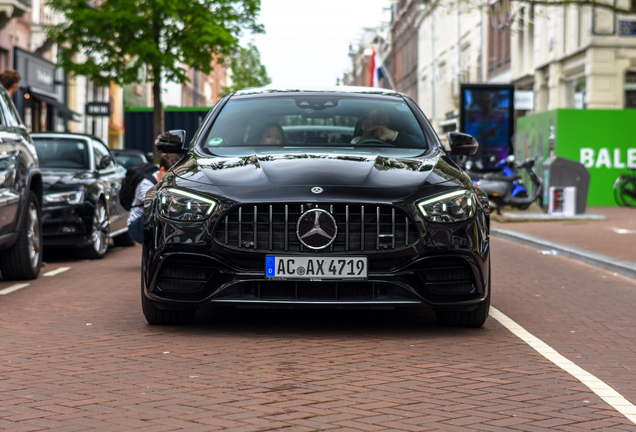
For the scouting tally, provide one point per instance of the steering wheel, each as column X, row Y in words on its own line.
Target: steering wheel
column 372, row 141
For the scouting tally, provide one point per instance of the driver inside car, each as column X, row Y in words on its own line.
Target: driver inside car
column 375, row 126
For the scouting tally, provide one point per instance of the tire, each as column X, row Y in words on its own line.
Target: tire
column 123, row 240
column 23, row 260
column 617, row 192
column 156, row 316
column 472, row 319
column 100, row 231
column 627, row 191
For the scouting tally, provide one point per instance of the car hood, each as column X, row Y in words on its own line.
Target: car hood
column 274, row 176
column 309, row 169
column 56, row 179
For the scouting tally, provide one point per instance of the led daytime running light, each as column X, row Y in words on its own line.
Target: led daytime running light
column 439, row 198
column 193, row 196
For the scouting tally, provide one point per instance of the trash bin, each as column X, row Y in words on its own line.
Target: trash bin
column 561, row 173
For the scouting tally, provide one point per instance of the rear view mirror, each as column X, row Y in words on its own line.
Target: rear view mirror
column 462, row 144
column 172, row 141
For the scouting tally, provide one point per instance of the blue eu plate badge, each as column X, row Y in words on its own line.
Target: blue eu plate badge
column 270, row 266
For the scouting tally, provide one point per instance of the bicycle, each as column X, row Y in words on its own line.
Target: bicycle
column 625, row 189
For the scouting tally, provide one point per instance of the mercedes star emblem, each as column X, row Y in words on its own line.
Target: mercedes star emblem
column 316, row 229
column 317, row 189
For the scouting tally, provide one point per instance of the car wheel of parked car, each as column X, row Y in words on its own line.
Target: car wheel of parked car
column 474, row 318
column 24, row 259
column 100, row 233
column 157, row 316
column 123, row 240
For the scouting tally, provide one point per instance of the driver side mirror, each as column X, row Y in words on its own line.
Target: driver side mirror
column 462, row 144
column 103, row 163
column 172, row 141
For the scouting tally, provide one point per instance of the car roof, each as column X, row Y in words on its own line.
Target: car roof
column 64, row 135
column 137, row 151
column 354, row 90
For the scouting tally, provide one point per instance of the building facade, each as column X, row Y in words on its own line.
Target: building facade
column 451, row 51
column 575, row 56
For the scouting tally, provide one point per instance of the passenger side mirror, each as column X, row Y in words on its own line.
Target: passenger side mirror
column 462, row 144
column 172, row 141
column 103, row 163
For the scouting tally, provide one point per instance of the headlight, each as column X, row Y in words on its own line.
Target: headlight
column 451, row 207
column 184, row 206
column 71, row 197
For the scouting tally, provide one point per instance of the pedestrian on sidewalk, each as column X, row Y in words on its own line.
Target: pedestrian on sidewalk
column 136, row 219
column 10, row 79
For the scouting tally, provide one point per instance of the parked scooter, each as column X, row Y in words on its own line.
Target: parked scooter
column 505, row 186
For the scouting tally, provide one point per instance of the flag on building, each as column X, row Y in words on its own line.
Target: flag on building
column 375, row 69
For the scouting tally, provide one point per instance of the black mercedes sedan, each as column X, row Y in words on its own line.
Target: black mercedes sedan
column 81, row 183
column 316, row 198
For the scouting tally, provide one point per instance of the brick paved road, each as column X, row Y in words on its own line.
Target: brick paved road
column 297, row 371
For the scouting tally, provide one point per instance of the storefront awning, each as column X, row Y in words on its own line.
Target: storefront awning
column 64, row 111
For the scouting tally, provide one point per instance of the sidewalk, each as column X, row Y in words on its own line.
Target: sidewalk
column 598, row 242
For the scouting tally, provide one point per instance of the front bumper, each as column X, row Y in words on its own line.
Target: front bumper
column 67, row 225
column 445, row 267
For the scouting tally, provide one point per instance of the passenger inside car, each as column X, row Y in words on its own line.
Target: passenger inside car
column 375, row 125
column 272, row 134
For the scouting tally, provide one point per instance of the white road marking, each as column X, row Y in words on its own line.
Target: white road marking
column 12, row 288
column 57, row 271
column 604, row 391
column 623, row 231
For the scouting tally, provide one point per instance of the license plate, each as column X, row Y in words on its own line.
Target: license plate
column 315, row 268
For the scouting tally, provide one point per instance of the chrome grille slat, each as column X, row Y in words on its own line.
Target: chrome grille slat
column 377, row 228
column 393, row 229
column 255, row 229
column 272, row 227
column 347, row 229
column 286, row 227
column 240, row 226
column 362, row 228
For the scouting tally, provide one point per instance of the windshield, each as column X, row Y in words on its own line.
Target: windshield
column 129, row 160
column 62, row 153
column 302, row 122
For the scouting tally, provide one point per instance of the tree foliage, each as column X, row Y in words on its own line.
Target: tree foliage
column 247, row 70
column 119, row 36
column 111, row 40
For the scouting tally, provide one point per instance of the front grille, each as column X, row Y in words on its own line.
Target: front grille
column 305, row 291
column 266, row 227
column 184, row 274
column 448, row 276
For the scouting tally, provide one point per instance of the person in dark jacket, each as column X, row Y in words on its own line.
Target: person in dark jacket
column 135, row 220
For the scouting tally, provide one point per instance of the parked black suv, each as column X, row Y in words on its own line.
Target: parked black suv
column 20, row 197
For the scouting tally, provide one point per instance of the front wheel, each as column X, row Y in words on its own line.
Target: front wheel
column 100, row 233
column 474, row 318
column 156, row 316
column 23, row 260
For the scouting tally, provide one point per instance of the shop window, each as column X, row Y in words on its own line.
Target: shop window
column 575, row 93
column 630, row 90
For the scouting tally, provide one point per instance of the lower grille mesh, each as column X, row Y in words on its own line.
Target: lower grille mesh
column 316, row 291
column 448, row 276
column 184, row 274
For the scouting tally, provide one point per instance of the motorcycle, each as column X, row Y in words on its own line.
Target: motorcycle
column 505, row 187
